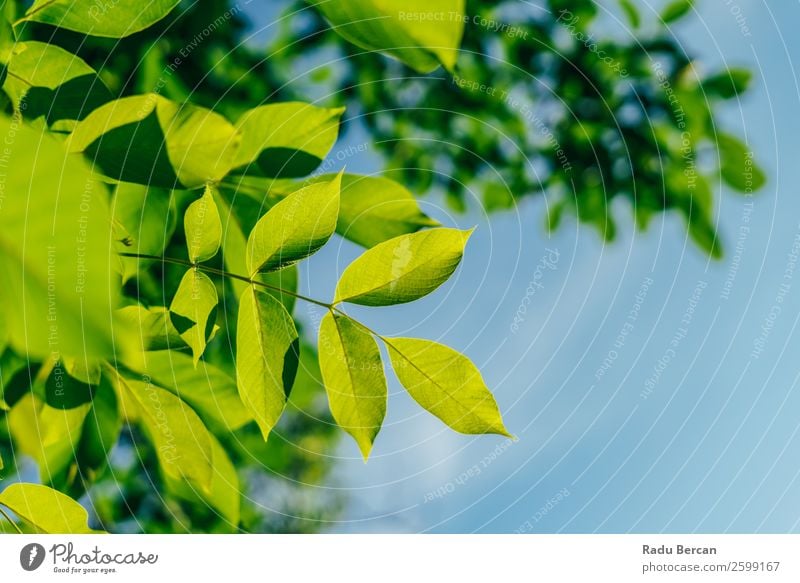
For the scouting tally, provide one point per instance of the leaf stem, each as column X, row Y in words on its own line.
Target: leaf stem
column 224, row 273
column 14, row 524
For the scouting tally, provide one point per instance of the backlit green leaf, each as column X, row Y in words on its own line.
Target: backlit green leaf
column 447, row 384
column 114, row 18
column 374, row 209
column 192, row 310
column 267, row 349
column 203, row 228
column 223, row 495
column 46, row 510
column 46, row 434
column 182, row 442
column 151, row 327
column 55, row 241
column 631, row 12
column 211, row 392
column 53, row 84
column 147, row 139
column 285, row 139
column 728, row 84
column 421, row 33
column 352, row 370
column 402, row 269
column 294, row 228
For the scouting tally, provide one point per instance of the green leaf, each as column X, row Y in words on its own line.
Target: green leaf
column 53, row 84
column 737, row 166
column 676, row 10
column 267, row 349
column 147, row 218
column 150, row 140
column 352, row 371
column 234, row 251
column 101, row 430
column 294, row 228
column 728, row 84
column 46, row 434
column 285, row 139
column 151, row 327
column 631, row 12
column 211, row 392
column 181, row 440
column 113, row 19
column 64, row 391
column 447, row 384
column 223, row 495
column 402, row 269
column 57, row 288
column 203, row 228
column 46, row 510
column 421, row 33
column 374, row 209
column 192, row 310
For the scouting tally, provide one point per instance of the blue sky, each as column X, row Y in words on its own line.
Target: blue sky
column 685, row 428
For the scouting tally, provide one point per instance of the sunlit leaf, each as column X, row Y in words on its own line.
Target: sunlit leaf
column 203, row 228
column 352, row 370
column 53, row 84
column 402, row 269
column 150, row 140
column 294, row 228
column 285, row 139
column 46, row 510
column 447, row 384
column 421, row 33
column 192, row 310
column 728, row 84
column 152, row 327
column 211, row 392
column 46, row 434
column 267, row 349
column 182, row 442
column 114, row 18
column 55, row 241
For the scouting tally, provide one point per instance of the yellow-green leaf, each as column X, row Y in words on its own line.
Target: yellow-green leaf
column 211, row 392
column 47, row 434
column 285, row 139
column 181, row 440
column 447, row 384
column 151, row 327
column 55, row 241
column 421, row 33
column 267, row 352
column 203, row 228
column 294, row 228
column 352, row 371
column 53, row 84
column 150, row 140
column 402, row 269
column 46, row 510
column 192, row 310
column 112, row 18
